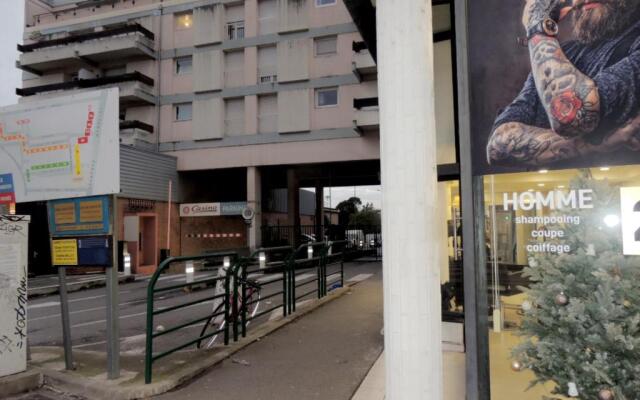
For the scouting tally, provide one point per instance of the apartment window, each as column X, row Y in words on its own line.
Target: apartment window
column 234, row 68
column 183, row 20
column 183, row 111
column 235, row 30
column 268, row 113
column 323, row 3
column 184, row 65
column 267, row 64
column 267, row 17
column 326, row 46
column 234, row 116
column 327, row 97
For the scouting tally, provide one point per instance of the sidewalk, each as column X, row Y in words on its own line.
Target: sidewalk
column 48, row 284
column 324, row 355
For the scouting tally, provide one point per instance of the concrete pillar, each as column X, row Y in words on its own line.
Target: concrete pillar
column 411, row 237
column 254, row 200
column 319, row 211
column 293, row 205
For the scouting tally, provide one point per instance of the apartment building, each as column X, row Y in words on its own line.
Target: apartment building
column 231, row 98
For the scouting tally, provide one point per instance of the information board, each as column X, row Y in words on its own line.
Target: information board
column 78, row 217
column 13, row 293
column 64, row 252
column 63, row 147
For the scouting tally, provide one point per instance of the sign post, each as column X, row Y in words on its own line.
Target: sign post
column 66, row 324
column 113, row 318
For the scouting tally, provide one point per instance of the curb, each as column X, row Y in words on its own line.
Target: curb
column 75, row 286
column 94, row 389
column 20, row 383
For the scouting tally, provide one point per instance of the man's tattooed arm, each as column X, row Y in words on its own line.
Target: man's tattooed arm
column 515, row 143
column 569, row 97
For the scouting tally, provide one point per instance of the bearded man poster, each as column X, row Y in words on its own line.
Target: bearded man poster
column 579, row 104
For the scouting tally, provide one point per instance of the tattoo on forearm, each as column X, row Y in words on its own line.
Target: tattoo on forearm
column 570, row 98
column 519, row 143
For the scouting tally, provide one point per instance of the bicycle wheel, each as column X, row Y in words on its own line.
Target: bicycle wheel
column 214, row 323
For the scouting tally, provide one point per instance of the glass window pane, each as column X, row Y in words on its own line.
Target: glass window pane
column 327, row 97
column 183, row 111
column 184, row 65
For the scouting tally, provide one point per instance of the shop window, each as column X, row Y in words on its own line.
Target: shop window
column 327, row 97
column 184, row 65
column 326, row 46
column 183, row 111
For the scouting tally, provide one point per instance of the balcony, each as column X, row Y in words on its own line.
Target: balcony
column 362, row 61
column 135, row 88
column 367, row 113
column 137, row 134
column 90, row 49
column 267, row 74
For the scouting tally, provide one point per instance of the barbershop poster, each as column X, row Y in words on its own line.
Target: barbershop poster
column 554, row 84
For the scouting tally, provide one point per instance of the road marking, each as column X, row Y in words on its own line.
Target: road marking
column 57, row 303
column 360, row 278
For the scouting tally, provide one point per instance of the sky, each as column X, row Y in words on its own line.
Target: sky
column 368, row 194
column 11, row 23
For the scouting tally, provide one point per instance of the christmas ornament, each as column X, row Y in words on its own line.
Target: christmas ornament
column 605, row 394
column 517, row 366
column 573, row 390
column 526, row 305
column 561, row 299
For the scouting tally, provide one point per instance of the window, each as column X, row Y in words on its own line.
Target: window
column 326, row 45
column 184, row 65
column 267, row 64
column 183, row 111
column 323, row 3
column 235, row 30
column 327, row 97
column 267, row 17
column 234, row 116
column 183, row 21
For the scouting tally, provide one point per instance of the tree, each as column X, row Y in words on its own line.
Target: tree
column 368, row 216
column 347, row 208
column 581, row 323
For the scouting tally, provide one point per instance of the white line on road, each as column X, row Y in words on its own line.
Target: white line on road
column 57, row 303
column 360, row 278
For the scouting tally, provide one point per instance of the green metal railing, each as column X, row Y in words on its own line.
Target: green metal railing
column 284, row 261
column 150, row 358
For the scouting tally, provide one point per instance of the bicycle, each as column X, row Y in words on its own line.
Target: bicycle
column 217, row 321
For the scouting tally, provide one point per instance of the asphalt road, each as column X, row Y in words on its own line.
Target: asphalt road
column 87, row 311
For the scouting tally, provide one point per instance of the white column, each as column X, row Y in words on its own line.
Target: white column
column 254, row 197
column 411, row 239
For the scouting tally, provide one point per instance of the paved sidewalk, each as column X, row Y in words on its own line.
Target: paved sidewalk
column 324, row 355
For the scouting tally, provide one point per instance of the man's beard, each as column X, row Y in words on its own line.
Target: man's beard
column 603, row 22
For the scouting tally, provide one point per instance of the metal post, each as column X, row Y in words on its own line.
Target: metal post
column 476, row 321
column 113, row 321
column 64, row 311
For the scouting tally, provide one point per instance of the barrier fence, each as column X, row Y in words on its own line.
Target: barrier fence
column 238, row 291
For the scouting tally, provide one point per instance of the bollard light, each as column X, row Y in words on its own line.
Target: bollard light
column 309, row 252
column 226, row 262
column 189, row 271
column 127, row 264
column 361, row 243
column 330, row 249
column 263, row 259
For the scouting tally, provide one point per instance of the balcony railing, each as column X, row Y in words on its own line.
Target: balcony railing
column 87, row 83
column 135, row 124
column 365, row 103
column 268, row 74
column 136, row 28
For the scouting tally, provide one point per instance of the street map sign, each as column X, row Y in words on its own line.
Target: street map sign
column 62, row 147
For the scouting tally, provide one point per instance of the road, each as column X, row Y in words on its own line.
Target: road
column 87, row 311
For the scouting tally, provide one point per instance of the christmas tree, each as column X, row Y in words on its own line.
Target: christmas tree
column 581, row 323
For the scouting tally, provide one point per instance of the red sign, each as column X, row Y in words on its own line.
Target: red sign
column 7, row 198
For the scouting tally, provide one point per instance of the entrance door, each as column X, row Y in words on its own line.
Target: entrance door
column 148, row 242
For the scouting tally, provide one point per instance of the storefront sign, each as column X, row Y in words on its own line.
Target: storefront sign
column 13, row 287
column 83, row 216
column 630, row 220
column 212, row 209
column 556, row 101
column 7, row 191
column 64, row 252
